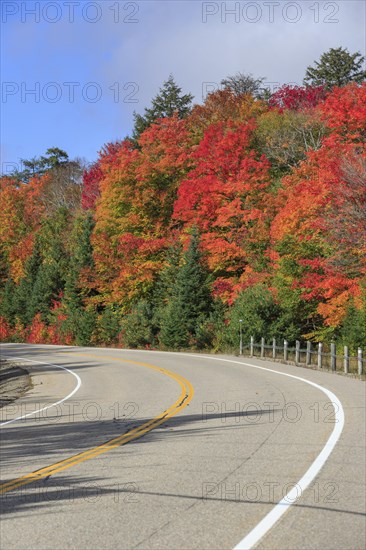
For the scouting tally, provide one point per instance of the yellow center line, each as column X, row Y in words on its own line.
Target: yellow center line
column 182, row 401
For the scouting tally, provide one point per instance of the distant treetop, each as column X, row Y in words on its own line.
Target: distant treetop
column 168, row 101
column 241, row 83
column 337, row 67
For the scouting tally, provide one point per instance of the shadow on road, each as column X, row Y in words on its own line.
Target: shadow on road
column 59, row 436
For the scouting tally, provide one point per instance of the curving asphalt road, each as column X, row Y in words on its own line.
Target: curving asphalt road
column 120, row 449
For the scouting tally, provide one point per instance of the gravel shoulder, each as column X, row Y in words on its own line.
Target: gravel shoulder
column 14, row 382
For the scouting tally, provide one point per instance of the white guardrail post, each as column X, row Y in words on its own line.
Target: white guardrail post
column 346, row 360
column 262, row 347
column 308, row 353
column 359, row 361
column 297, row 352
column 251, row 346
column 320, row 355
column 333, row 356
column 285, row 350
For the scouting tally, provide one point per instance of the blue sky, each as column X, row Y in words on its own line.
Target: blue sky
column 91, row 64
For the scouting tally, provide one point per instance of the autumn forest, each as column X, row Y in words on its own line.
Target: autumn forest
column 250, row 205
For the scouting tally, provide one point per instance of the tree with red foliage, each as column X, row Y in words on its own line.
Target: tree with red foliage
column 226, row 197
column 297, row 97
column 38, row 331
column 93, row 175
column 320, row 229
column 91, row 191
column 5, row 331
column 300, row 240
column 134, row 211
column 344, row 113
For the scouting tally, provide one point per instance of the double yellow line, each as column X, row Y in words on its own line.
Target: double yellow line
column 182, row 401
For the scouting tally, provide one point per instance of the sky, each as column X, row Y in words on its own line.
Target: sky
column 73, row 72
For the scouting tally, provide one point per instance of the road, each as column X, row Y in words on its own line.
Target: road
column 129, row 449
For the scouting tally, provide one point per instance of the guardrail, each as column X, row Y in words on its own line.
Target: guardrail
column 313, row 355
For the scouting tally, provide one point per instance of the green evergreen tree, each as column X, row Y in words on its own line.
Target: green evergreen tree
column 20, row 295
column 48, row 281
column 8, row 308
column 81, row 320
column 190, row 303
column 4, row 269
column 141, row 327
column 54, row 158
column 37, row 166
column 209, row 333
column 47, row 288
column 168, row 101
column 337, row 67
column 257, row 310
column 163, row 290
column 85, row 324
column 81, row 256
column 109, row 325
column 138, row 328
column 353, row 329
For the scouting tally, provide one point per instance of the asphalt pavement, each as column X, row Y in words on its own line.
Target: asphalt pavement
column 121, row 449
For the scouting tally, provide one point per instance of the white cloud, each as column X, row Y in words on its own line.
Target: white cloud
column 170, row 37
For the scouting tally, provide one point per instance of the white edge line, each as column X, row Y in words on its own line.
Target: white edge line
column 292, row 496
column 258, row 532
column 52, row 404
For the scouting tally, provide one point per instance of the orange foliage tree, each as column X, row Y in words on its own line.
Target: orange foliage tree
column 134, row 210
column 319, row 232
column 226, row 196
column 21, row 211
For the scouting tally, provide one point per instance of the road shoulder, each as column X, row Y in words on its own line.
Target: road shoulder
column 15, row 381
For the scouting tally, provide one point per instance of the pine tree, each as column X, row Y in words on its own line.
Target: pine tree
column 190, row 303
column 138, row 328
column 256, row 311
column 80, row 320
column 46, row 288
column 21, row 298
column 109, row 325
column 168, row 101
column 4, row 268
column 163, row 290
column 7, row 303
column 337, row 67
column 85, row 325
column 37, row 166
column 353, row 329
column 46, row 280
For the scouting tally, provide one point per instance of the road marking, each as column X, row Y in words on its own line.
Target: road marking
column 52, row 404
column 262, row 528
column 182, row 401
column 258, row 532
